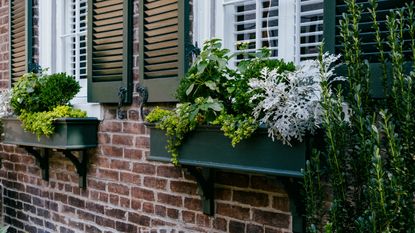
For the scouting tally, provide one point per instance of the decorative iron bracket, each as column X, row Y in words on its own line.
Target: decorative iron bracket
column 42, row 160
column 143, row 95
column 122, row 94
column 205, row 181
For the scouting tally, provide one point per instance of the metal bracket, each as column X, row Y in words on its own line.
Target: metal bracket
column 297, row 209
column 205, row 181
column 122, row 94
column 80, row 164
column 42, row 160
column 143, row 93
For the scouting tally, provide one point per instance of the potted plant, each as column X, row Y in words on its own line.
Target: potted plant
column 264, row 108
column 43, row 117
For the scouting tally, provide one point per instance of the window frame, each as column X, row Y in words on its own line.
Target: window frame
column 51, row 48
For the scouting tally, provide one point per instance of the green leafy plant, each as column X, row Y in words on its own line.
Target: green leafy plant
column 41, row 123
column 368, row 163
column 41, row 92
column 215, row 93
column 39, row 99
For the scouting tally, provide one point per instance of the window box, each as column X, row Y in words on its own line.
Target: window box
column 208, row 147
column 70, row 134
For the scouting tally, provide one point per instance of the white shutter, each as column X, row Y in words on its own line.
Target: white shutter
column 254, row 22
column 310, row 29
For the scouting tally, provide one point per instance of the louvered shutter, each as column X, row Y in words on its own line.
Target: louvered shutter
column 163, row 37
column 333, row 11
column 21, row 53
column 109, row 51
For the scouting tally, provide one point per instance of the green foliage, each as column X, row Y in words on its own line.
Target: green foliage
column 236, row 127
column 40, row 92
column 3, row 229
column 214, row 93
column 368, row 163
column 41, row 123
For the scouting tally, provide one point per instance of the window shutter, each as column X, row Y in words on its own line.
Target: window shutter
column 311, row 28
column 333, row 11
column 109, row 51
column 163, row 37
column 21, row 53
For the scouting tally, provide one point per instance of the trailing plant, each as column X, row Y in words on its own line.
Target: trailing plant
column 42, row 92
column 41, row 123
column 368, row 161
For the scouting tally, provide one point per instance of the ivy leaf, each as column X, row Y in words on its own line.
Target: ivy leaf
column 216, row 106
column 230, row 89
column 190, row 89
column 201, row 67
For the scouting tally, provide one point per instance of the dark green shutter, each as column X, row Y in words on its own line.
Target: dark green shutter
column 109, row 51
column 333, row 10
column 163, row 36
column 21, row 38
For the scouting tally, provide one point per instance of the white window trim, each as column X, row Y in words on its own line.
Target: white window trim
column 51, row 45
column 206, row 13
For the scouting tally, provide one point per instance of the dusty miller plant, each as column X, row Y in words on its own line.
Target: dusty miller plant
column 288, row 103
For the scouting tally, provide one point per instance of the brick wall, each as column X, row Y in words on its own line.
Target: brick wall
column 127, row 193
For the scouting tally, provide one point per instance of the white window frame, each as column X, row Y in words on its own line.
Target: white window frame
column 208, row 13
column 54, row 53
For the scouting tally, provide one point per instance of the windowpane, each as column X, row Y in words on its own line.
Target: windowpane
column 255, row 25
column 311, row 28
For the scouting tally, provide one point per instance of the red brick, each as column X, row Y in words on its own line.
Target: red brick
column 114, row 199
column 251, row 198
column 281, row 203
column 125, row 202
column 116, row 213
column 169, row 171
column 108, row 174
column 112, row 150
column 73, row 201
column 271, row 218
column 193, row 204
column 135, row 154
column 110, row 126
column 152, row 182
column 267, row 184
column 104, row 138
column 220, row 224
column 125, row 140
column 96, row 184
column 133, row 114
column 183, row 187
column 251, row 228
column 202, row 220
column 160, row 210
column 173, row 213
column 61, row 197
column 170, row 199
column 223, row 194
column 125, row 227
column 118, row 189
column 120, row 165
column 236, row 227
column 140, row 220
column 143, row 168
column 188, row 216
column 148, row 207
column 133, row 127
column 141, row 193
column 130, row 178
column 105, row 222
column 142, row 142
column 232, row 211
column 232, row 179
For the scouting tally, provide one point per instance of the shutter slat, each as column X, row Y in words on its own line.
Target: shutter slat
column 162, row 31
column 168, row 15
column 161, row 38
column 161, row 74
column 156, row 4
column 161, row 59
column 162, row 52
column 20, row 37
column 161, row 10
column 162, row 45
column 109, row 52
column 163, row 66
column 161, row 24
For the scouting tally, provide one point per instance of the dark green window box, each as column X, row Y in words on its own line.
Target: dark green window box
column 208, row 147
column 70, row 133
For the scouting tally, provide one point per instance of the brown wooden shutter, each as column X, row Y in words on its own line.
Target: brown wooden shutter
column 109, row 51
column 21, row 38
column 163, row 36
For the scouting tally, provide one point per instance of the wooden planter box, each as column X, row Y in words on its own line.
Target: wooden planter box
column 70, row 134
column 208, row 147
